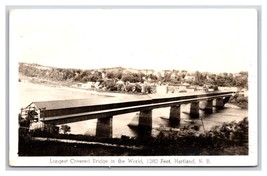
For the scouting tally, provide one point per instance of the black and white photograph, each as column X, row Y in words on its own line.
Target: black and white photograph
column 133, row 86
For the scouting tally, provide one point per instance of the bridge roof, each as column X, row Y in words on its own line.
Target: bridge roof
column 73, row 103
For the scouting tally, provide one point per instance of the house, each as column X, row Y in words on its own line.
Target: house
column 183, row 86
column 87, row 85
column 189, row 78
column 173, row 76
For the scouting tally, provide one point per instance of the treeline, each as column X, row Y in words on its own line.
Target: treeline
column 79, row 75
column 224, row 79
column 239, row 100
column 133, row 75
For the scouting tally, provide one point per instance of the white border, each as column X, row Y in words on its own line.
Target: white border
column 259, row 170
column 250, row 160
column 138, row 161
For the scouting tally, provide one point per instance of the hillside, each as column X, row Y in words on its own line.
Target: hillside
column 80, row 75
column 132, row 75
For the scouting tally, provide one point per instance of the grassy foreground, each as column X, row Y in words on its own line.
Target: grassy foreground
column 228, row 139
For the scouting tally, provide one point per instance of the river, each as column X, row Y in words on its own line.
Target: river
column 29, row 92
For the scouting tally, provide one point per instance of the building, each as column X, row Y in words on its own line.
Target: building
column 188, row 78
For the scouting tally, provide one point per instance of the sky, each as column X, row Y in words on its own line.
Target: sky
column 213, row 40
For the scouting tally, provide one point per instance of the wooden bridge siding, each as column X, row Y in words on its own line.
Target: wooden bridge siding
column 91, row 108
column 57, row 120
column 119, row 104
column 115, row 103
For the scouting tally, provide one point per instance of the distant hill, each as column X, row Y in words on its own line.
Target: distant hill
column 112, row 69
column 133, row 75
column 80, row 75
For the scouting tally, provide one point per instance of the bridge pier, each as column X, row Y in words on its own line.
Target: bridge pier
column 104, row 127
column 219, row 103
column 226, row 99
column 175, row 116
column 145, row 123
column 194, row 109
column 209, row 106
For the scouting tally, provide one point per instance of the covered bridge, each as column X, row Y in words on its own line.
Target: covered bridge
column 45, row 110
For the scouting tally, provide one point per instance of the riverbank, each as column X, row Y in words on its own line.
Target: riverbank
column 227, row 139
column 240, row 101
column 69, row 85
column 49, row 147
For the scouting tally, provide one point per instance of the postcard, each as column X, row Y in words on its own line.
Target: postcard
column 131, row 86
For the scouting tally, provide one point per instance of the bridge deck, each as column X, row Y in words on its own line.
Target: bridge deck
column 114, row 106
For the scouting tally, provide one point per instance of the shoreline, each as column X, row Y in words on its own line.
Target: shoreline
column 233, row 141
column 93, row 92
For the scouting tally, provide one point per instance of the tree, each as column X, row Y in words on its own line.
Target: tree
column 167, row 76
column 241, row 82
column 111, row 75
column 198, row 77
column 65, row 128
column 119, row 74
column 133, row 78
